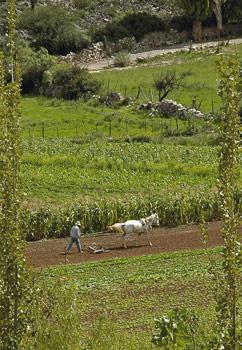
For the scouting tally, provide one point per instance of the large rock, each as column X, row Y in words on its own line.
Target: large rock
column 169, row 108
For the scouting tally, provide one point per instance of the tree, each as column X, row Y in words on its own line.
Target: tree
column 54, row 28
column 168, row 81
column 13, row 271
column 229, row 91
column 198, row 11
column 217, row 9
column 33, row 3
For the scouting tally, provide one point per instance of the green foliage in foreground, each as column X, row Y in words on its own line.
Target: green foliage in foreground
column 112, row 304
column 230, row 93
column 14, row 287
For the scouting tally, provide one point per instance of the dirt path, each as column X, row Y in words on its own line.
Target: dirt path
column 50, row 252
column 108, row 63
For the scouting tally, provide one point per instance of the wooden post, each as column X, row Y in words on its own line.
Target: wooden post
column 108, row 86
column 43, row 130
column 151, row 95
column 125, row 91
column 110, row 127
column 177, row 126
column 138, row 93
column 57, row 132
column 212, row 107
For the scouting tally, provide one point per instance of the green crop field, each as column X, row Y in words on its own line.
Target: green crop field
column 114, row 302
column 104, row 182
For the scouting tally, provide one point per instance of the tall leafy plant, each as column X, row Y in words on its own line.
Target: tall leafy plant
column 229, row 91
column 13, row 287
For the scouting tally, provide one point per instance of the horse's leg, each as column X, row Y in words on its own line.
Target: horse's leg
column 148, row 239
column 124, row 241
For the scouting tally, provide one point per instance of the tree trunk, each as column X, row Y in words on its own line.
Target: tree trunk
column 197, row 31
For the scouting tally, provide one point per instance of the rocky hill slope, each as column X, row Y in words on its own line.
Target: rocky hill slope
column 94, row 13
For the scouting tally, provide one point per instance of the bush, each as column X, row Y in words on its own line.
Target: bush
column 54, row 28
column 81, row 4
column 122, row 59
column 181, row 23
column 33, row 65
column 69, row 83
column 139, row 24
column 132, row 25
column 232, row 11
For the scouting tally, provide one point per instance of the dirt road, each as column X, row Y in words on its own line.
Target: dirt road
column 50, row 252
column 108, row 63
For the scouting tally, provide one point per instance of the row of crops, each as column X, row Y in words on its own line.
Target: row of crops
column 100, row 183
column 95, row 216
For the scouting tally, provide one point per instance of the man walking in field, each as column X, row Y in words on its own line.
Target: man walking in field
column 75, row 237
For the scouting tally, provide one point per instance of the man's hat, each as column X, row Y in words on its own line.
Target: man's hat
column 78, row 223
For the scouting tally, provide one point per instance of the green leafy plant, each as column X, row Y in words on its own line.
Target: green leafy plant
column 53, row 28
column 227, row 309
column 122, row 59
column 69, row 82
column 14, row 290
column 177, row 330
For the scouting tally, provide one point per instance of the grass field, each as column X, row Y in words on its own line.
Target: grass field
column 73, row 119
column 117, row 300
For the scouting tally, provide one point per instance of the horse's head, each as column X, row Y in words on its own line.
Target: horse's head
column 155, row 221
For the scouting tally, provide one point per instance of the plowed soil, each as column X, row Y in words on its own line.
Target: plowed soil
column 51, row 252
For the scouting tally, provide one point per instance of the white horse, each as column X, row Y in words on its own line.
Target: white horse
column 135, row 226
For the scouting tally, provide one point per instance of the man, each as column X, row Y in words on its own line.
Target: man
column 75, row 238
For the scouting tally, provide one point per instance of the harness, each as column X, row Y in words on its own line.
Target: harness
column 143, row 222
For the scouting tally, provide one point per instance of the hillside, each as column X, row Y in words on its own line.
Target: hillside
column 96, row 13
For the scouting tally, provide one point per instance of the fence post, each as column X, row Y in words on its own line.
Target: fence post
column 110, row 127
column 57, row 131
column 177, row 126
column 138, row 93
column 212, row 107
column 151, row 95
column 43, row 130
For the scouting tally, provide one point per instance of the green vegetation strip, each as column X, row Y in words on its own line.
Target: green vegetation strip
column 101, row 183
column 133, row 291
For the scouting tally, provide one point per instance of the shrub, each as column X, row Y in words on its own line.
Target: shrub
column 232, row 11
column 54, row 28
column 33, row 65
column 81, row 4
column 112, row 31
column 139, row 24
column 69, row 83
column 132, row 25
column 122, row 59
column 181, row 23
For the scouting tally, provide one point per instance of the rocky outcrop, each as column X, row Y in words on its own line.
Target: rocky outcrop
column 151, row 41
column 95, row 52
column 169, row 108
